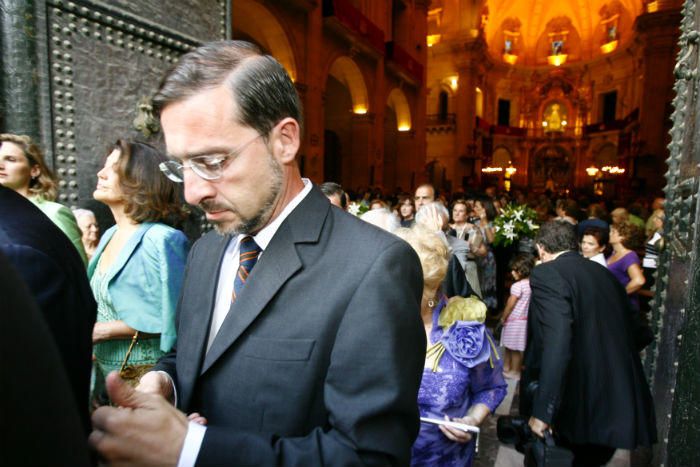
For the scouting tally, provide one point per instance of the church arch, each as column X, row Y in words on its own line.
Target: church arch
column 265, row 29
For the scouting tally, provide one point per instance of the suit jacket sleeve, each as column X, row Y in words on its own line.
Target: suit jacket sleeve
column 552, row 312
column 371, row 385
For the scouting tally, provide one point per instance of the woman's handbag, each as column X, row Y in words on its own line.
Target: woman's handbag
column 133, row 373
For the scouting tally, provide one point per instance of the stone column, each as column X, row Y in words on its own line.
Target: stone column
column 378, row 105
column 361, row 160
column 313, row 102
column 18, row 81
column 465, row 114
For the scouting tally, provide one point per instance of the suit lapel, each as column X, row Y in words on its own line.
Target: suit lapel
column 193, row 328
column 278, row 263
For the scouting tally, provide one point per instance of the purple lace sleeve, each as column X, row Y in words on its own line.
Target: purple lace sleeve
column 487, row 385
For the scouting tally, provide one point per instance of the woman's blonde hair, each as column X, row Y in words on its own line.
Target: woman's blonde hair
column 45, row 184
column 432, row 251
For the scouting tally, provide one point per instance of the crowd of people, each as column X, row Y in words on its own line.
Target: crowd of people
column 297, row 333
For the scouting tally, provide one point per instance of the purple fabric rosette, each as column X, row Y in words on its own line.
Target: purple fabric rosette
column 467, row 343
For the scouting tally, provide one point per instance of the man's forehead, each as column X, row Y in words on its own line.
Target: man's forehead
column 203, row 123
column 424, row 192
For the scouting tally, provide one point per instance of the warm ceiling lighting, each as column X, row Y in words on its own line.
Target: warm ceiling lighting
column 433, row 39
column 404, row 127
column 359, row 109
column 652, row 7
column 510, row 58
column 557, row 60
column 592, row 171
column 609, row 47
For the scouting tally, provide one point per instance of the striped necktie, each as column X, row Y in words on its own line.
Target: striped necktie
column 249, row 251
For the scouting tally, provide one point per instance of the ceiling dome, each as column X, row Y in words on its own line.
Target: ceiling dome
column 530, row 31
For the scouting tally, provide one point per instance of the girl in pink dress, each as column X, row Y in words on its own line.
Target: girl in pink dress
column 514, row 319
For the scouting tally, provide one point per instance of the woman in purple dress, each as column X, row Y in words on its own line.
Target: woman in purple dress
column 463, row 374
column 624, row 262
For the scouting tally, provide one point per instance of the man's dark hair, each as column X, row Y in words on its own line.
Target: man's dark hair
column 261, row 88
column 557, row 236
column 332, row 188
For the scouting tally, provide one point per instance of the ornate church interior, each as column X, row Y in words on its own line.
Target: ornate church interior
column 464, row 94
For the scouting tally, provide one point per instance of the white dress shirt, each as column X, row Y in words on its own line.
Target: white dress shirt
column 224, row 290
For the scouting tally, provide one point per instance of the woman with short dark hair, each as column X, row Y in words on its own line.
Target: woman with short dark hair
column 137, row 269
column 594, row 241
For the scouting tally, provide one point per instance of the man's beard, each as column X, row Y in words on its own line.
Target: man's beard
column 261, row 218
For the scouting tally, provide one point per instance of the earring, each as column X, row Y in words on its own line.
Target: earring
column 431, row 302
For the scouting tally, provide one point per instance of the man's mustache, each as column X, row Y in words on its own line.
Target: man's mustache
column 212, row 206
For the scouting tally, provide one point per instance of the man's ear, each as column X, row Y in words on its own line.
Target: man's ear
column 287, row 140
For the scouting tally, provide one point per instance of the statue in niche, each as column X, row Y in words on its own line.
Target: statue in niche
column 612, row 33
column 508, row 46
column 557, row 47
column 555, row 116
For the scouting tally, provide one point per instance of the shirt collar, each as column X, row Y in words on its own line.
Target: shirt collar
column 265, row 235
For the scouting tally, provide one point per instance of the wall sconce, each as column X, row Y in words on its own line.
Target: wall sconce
column 454, row 81
column 544, row 124
column 510, row 59
column 489, row 170
column 359, row 109
column 592, row 171
column 433, row 39
column 608, row 47
column 404, row 127
column 557, row 60
column 510, row 170
column 613, row 170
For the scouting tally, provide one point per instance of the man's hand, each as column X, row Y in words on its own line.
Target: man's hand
column 537, row 426
column 155, row 382
column 431, row 218
column 144, row 430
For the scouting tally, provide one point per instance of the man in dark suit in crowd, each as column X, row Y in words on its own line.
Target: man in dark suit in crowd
column 583, row 377
column 50, row 265
column 41, row 423
column 299, row 334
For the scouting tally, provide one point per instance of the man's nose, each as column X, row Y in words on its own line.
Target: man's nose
column 196, row 188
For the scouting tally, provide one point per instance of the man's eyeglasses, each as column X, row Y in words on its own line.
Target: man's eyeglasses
column 207, row 166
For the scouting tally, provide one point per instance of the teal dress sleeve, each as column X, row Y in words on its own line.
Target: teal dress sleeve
column 145, row 280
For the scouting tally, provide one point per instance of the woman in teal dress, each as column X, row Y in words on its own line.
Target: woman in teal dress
column 23, row 169
column 137, row 269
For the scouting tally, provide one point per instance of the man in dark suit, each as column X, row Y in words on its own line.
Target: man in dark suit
column 50, row 265
column 41, row 423
column 583, row 377
column 299, row 334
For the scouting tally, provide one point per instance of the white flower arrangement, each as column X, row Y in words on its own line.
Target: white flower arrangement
column 357, row 209
column 514, row 223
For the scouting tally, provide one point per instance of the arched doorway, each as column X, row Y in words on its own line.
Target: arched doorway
column 252, row 21
column 337, row 135
column 391, row 148
column 345, row 108
column 550, row 169
column 332, row 157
